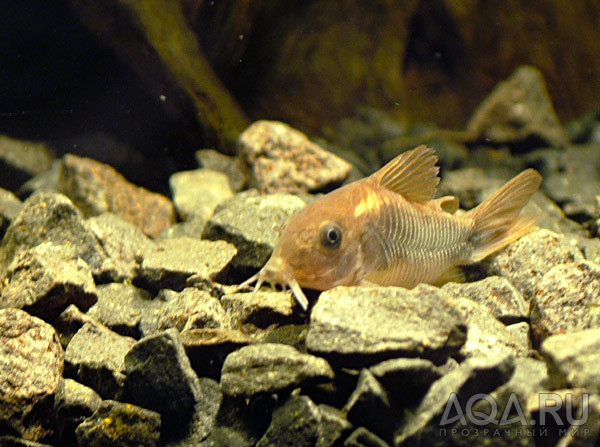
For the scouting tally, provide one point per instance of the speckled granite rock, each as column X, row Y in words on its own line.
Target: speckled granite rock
column 283, row 159
column 360, row 326
column 574, row 359
column 197, row 193
column 20, row 160
column 160, row 378
column 262, row 309
column 43, row 281
column 97, row 188
column 190, row 309
column 230, row 166
column 527, row 260
column 31, row 365
column 173, row 261
column 51, row 217
column 252, row 224
column 361, row 437
column 269, row 368
column 333, row 428
column 95, row 356
column 120, row 425
column 567, row 299
column 73, row 403
column 517, row 110
column 501, row 298
column 10, row 206
column 12, row 441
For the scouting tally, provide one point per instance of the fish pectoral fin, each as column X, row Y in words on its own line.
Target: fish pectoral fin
column 413, row 174
column 454, row 274
column 448, row 204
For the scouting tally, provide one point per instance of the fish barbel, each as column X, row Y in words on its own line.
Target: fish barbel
column 387, row 229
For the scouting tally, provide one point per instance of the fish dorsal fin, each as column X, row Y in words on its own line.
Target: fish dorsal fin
column 412, row 174
column 448, row 204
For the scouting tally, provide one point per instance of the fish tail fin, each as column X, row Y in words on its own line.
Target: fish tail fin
column 497, row 220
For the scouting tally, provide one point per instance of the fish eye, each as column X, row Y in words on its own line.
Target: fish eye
column 331, row 236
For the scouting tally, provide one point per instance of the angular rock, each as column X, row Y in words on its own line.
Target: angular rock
column 406, row 379
column 191, row 309
column 295, row 423
column 288, row 334
column 43, row 282
column 470, row 185
column 269, row 368
column 585, row 433
column 486, row 335
column 283, row 159
column 574, row 359
column 69, row 322
column 173, row 261
column 527, row 260
column 10, row 206
column 197, row 193
column 517, row 111
column 501, row 298
column 11, row 441
column 567, row 299
column 98, row 188
column 21, row 160
column 369, row 406
column 360, row 326
column 476, row 375
column 31, row 366
column 333, row 427
column 95, row 356
column 263, row 308
column 252, row 224
column 230, row 166
column 51, row 217
column 521, row 331
column 73, row 403
column 123, row 243
column 120, row 425
column 192, row 229
column 208, row 348
column 361, row 437
column 551, row 217
column 159, row 376
column 124, row 308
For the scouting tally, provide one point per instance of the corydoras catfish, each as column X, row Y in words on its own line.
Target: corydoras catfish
column 387, row 229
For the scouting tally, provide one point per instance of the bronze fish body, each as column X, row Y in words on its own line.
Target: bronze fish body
column 388, row 230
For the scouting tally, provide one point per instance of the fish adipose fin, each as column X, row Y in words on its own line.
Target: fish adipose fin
column 413, row 174
column 497, row 220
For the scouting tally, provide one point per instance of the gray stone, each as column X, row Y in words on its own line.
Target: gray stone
column 263, row 308
column 283, row 159
column 197, row 193
column 576, row 185
column 44, row 181
column 252, row 224
column 333, row 427
column 208, row 348
column 521, row 331
column 95, row 356
column 43, row 281
column 51, row 217
column 475, row 375
column 470, row 185
column 574, row 359
column 501, row 298
column 369, row 406
column 288, row 334
column 526, row 261
column 360, row 326
column 192, row 229
column 486, row 336
column 159, row 376
column 406, row 379
column 517, row 110
column 294, row 424
column 230, row 166
column 173, row 261
column 11, row 441
column 73, row 403
column 20, row 160
column 123, row 243
column 361, row 437
column 123, row 308
column 10, row 206
column 31, row 366
column 120, row 425
column 269, row 368
column 191, row 309
column 69, row 322
column 567, row 300
column 587, row 433
column 551, row 217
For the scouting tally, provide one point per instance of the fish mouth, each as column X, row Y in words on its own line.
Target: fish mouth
column 276, row 272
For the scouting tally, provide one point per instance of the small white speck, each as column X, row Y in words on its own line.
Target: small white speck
column 163, row 98
column 241, row 37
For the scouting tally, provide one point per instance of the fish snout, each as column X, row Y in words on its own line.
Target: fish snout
column 276, row 272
